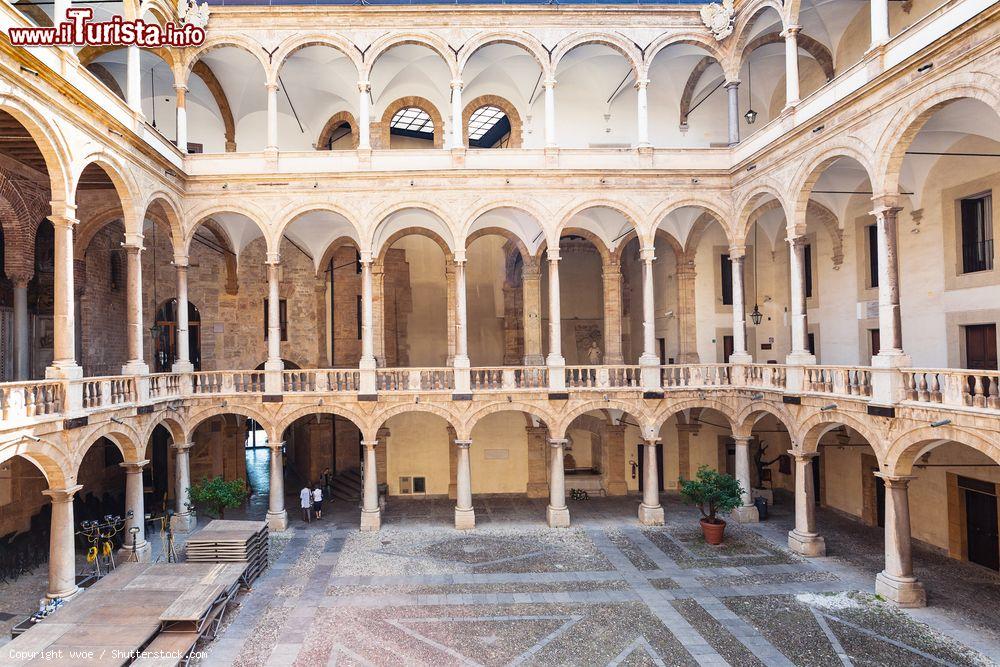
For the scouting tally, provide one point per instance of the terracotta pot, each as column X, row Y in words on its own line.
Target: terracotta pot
column 713, row 531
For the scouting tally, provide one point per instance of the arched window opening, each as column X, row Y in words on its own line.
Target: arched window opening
column 340, row 138
column 489, row 127
column 411, row 123
column 166, row 341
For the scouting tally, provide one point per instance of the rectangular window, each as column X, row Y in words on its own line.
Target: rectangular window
column 359, row 317
column 872, row 255
column 727, row 281
column 977, row 233
column 807, row 257
column 282, row 318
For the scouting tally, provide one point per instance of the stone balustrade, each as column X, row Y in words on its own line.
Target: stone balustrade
column 966, row 388
column 838, row 380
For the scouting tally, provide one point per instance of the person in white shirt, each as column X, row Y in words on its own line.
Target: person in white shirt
column 305, row 499
column 318, row 501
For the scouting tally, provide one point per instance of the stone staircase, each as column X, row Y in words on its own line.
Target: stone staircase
column 347, row 485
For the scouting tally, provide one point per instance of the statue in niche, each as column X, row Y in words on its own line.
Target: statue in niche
column 594, row 354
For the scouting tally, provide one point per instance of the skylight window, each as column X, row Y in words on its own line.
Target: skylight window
column 412, row 119
column 482, row 121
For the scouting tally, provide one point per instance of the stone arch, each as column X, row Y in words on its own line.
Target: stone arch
column 903, row 452
column 50, row 459
column 377, row 245
column 471, row 420
column 812, row 430
column 421, row 103
column 657, row 216
column 687, row 95
column 378, row 420
column 124, row 185
column 751, row 413
column 745, row 20
column 516, row 126
column 288, row 420
column 749, row 204
column 814, row 48
column 242, row 42
column 606, row 254
column 565, row 217
column 170, row 213
column 335, row 121
column 173, row 425
column 910, row 119
column 332, row 248
column 249, row 211
column 124, row 437
column 562, row 422
column 815, row 165
column 626, row 47
column 383, row 44
column 661, row 416
column 299, row 41
column 526, row 207
column 525, row 40
column 292, row 213
column 197, row 417
column 499, row 231
column 699, row 39
column 50, row 143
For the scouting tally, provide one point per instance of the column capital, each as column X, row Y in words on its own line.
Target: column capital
column 364, row 86
column 133, row 242
column 180, row 87
column 182, row 446
column 884, row 204
column 132, row 467
column 459, row 256
column 801, row 456
column 181, row 261
column 456, row 84
column 62, row 495
column 271, row 86
column 63, row 213
column 647, row 254
column 549, row 82
column 651, row 442
column 732, row 84
column 21, row 278
column 737, row 252
column 273, row 258
column 796, row 241
column 530, row 269
column 552, row 254
column 558, row 442
column 463, row 444
column 370, row 443
column 895, row 481
column 276, row 445
column 742, row 439
column 641, row 83
column 791, row 31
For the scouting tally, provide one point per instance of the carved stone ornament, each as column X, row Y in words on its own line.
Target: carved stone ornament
column 720, row 19
column 191, row 13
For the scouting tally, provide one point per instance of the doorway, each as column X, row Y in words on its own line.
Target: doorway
column 640, row 457
column 727, row 348
column 981, row 531
column 166, row 342
column 981, row 347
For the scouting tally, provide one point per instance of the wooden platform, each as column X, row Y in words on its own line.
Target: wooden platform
column 224, row 541
column 123, row 613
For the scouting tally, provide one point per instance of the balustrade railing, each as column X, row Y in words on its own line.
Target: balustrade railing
column 509, row 377
column 227, row 382
column 765, row 376
column 26, row 400
column 969, row 388
column 603, row 377
column 681, row 376
column 164, row 385
column 415, row 379
column 840, row 380
column 103, row 392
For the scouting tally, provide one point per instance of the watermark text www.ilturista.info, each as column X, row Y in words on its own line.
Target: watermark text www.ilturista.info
column 80, row 30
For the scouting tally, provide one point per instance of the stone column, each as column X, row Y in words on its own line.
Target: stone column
column 879, row 23
column 62, row 544
column 183, row 519
column 550, row 113
column 133, row 80
column 452, row 309
column 277, row 517
column 612, row 276
column 461, row 362
column 737, row 259
column 791, row 35
column 364, row 116
column 180, row 91
column 896, row 582
column 537, row 484
column 613, row 460
column 555, row 360
column 465, row 515
column 273, row 362
column 800, row 325
column 183, row 362
column 733, row 90
column 650, row 510
column 136, row 364
column 378, row 313
column 531, row 284
column 371, row 515
column 557, row 513
column 643, row 112
column 649, row 355
column 59, row 11
column 64, row 319
column 272, row 118
column 22, row 329
column 457, row 138
column 890, row 329
column 687, row 327
column 367, row 363
column 804, row 539
column 747, row 511
column 135, row 503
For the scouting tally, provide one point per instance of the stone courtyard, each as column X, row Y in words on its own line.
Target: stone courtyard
column 604, row 592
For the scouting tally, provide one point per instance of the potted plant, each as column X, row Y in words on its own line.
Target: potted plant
column 713, row 492
column 217, row 494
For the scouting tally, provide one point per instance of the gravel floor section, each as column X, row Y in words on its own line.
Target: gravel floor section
column 728, row 646
column 631, row 550
column 687, row 546
column 472, row 589
column 764, row 579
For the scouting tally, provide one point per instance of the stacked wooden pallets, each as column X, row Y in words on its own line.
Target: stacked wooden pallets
column 223, row 541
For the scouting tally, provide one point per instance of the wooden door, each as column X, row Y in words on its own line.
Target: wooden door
column 981, row 529
column 981, row 346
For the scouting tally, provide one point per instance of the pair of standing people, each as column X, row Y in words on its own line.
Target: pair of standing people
column 311, row 502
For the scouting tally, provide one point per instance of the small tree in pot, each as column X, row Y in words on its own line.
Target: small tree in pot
column 713, row 492
column 217, row 495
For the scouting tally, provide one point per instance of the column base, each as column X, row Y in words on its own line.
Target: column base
column 183, row 523
column 616, row 489
column 534, row 360
column 740, row 358
column 182, row 367
column 63, row 371
column 135, row 368
column 535, row 490
column 809, row 545
column 650, row 516
column 143, row 553
column 67, row 595
column 465, row 519
column 371, row 520
column 906, row 592
column 800, row 359
column 746, row 514
column 558, row 516
column 277, row 521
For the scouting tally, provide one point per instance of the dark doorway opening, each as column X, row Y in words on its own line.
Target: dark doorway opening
column 981, row 530
column 981, row 346
column 166, row 342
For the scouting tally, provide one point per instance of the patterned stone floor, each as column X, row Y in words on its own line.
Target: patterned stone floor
column 604, row 592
